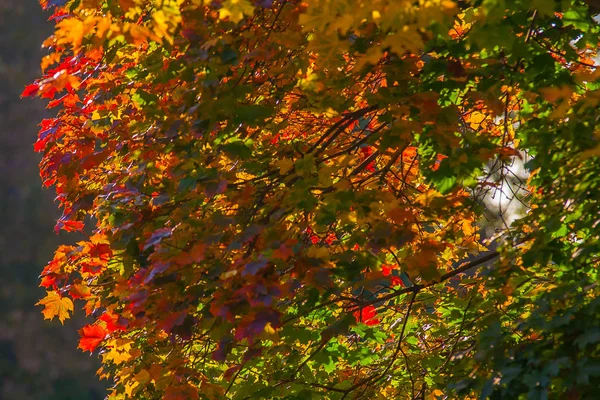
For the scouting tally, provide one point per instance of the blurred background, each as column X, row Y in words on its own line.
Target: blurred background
column 38, row 359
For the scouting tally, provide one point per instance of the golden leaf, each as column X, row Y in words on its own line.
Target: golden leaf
column 71, row 31
column 317, row 252
column 475, row 119
column 236, row 9
column 285, row 165
column 56, row 306
column 119, row 351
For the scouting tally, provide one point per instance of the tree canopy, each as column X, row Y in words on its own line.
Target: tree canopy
column 285, row 199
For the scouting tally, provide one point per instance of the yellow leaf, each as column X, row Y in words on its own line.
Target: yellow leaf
column 285, row 165
column 342, row 185
column 589, row 153
column 126, row 4
column 559, row 112
column 130, row 387
column 343, row 23
column 102, row 374
column 142, row 377
column 140, row 34
column 211, row 390
column 317, row 252
column 310, row 81
column 49, row 60
column 325, row 178
column 56, row 306
column 400, row 215
column 435, row 395
column 468, row 228
column 330, row 113
column 372, row 56
column 70, row 31
column 475, row 119
column 352, row 217
column 448, row 5
column 228, row 274
column 270, row 333
column 554, row 94
column 119, row 351
column 236, row 9
column 405, row 40
column 427, row 197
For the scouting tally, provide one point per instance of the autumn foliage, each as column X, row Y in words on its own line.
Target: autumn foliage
column 284, row 199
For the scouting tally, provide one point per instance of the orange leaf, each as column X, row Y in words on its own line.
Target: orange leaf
column 69, row 226
column 183, row 391
column 91, row 337
column 80, row 291
column 48, row 280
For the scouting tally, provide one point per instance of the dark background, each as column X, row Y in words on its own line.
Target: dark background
column 38, row 359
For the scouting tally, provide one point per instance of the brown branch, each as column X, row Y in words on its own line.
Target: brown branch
column 530, row 30
column 402, row 331
column 397, row 154
column 377, row 377
column 365, row 163
column 353, row 146
column 443, row 278
column 314, row 353
column 559, row 53
column 460, row 329
column 337, row 128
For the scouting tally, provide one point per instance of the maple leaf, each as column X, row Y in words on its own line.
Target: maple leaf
column 171, row 320
column 56, row 306
column 48, row 280
column 80, row 291
column 30, row 90
column 157, row 236
column 91, row 337
column 101, row 250
column 367, row 315
column 183, row 391
column 236, row 9
column 118, row 351
column 69, row 226
column 113, row 321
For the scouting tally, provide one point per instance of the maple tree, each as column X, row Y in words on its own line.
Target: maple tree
column 283, row 199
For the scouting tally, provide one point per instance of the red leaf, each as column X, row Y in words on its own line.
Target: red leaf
column 230, row 371
column 367, row 315
column 49, row 92
column 113, row 321
column 386, row 270
column 54, row 103
column 48, row 280
column 396, row 281
column 91, row 337
column 172, row 320
column 30, row 90
column 69, row 226
column 101, row 250
column 93, row 267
